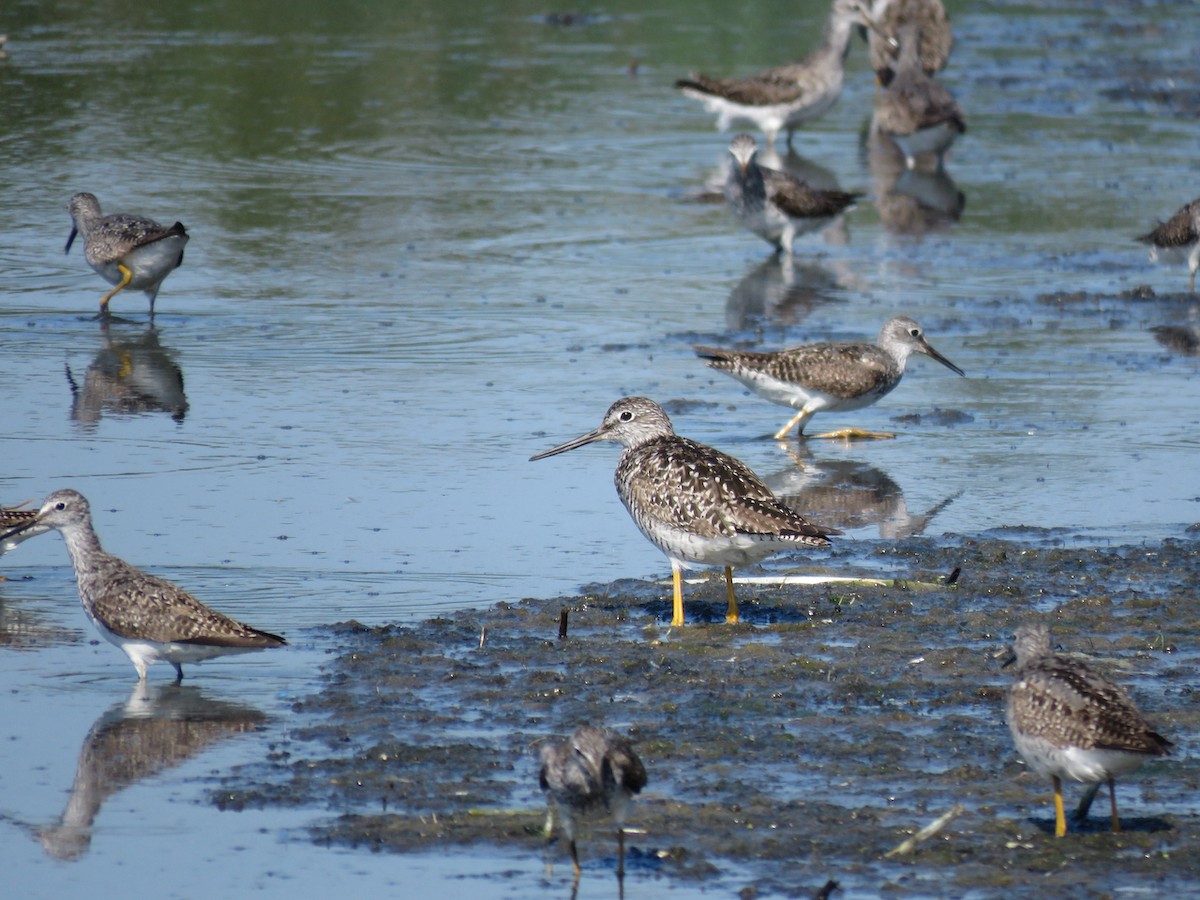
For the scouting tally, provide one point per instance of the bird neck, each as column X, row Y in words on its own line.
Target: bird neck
column 82, row 544
column 836, row 42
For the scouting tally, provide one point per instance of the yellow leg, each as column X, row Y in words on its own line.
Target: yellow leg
column 126, row 275
column 575, row 858
column 677, row 599
column 731, row 614
column 1112, row 797
column 854, row 434
column 1060, row 816
column 798, row 419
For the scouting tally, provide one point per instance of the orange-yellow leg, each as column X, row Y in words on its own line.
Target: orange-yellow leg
column 731, row 614
column 620, row 853
column 1060, row 816
column 797, row 420
column 575, row 858
column 1112, row 797
column 126, row 276
column 677, row 598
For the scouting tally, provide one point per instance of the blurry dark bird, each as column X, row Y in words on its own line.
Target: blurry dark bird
column 1178, row 238
column 593, row 773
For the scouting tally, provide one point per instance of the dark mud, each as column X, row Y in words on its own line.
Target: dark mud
column 801, row 745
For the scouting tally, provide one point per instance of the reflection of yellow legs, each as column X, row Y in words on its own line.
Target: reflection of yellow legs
column 1060, row 817
column 126, row 276
column 731, row 613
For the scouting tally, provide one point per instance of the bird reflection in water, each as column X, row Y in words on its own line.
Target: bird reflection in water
column 910, row 201
column 783, row 291
column 128, row 377
column 849, row 494
column 1182, row 339
column 157, row 728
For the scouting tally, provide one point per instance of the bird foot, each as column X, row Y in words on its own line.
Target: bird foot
column 854, row 434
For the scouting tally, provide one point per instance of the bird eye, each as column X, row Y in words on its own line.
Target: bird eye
column 915, row 332
column 626, row 416
column 60, row 505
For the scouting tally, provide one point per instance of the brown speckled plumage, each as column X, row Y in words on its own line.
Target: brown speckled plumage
column 918, row 112
column 929, row 16
column 126, row 250
column 827, row 376
column 1069, row 721
column 1180, row 234
column 696, row 504
column 773, row 204
column 785, row 96
column 15, row 527
column 593, row 772
column 132, row 608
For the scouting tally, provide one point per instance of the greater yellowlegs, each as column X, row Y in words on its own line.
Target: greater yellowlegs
column 694, row 503
column 774, row 205
column 16, row 525
column 785, row 96
column 148, row 617
column 1069, row 721
column 918, row 113
column 929, row 16
column 594, row 772
column 127, row 251
column 1178, row 237
column 828, row 376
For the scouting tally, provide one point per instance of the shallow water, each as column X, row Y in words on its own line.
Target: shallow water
column 428, row 244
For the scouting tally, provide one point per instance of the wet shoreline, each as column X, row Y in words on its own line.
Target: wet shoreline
column 802, row 745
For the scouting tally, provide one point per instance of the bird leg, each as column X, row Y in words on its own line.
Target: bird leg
column 799, row 419
column 677, row 598
column 1060, row 817
column 731, row 613
column 620, row 853
column 575, row 859
column 854, row 434
column 126, row 276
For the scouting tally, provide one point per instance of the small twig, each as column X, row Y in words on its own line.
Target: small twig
column 562, row 623
column 482, row 636
column 952, row 578
column 828, row 888
column 908, row 845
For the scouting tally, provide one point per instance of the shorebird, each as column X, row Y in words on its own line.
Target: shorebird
column 16, row 525
column 1069, row 721
column 774, row 205
column 1178, row 237
column 785, row 96
column 695, row 504
column 593, row 772
column 918, row 113
column 148, row 617
column 127, row 251
column 828, row 376
column 929, row 16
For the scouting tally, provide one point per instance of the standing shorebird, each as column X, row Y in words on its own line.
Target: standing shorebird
column 785, row 96
column 918, row 113
column 773, row 204
column 1069, row 721
column 127, row 251
column 148, row 617
column 695, row 504
column 1178, row 237
column 929, row 16
column 828, row 376
column 593, row 772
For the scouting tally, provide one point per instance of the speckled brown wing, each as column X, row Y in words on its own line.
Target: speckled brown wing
column 1177, row 231
column 705, row 492
column 622, row 767
column 937, row 37
column 927, row 103
column 133, row 604
column 115, row 236
column 1068, row 704
column 799, row 200
column 13, row 519
column 768, row 88
column 840, row 370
